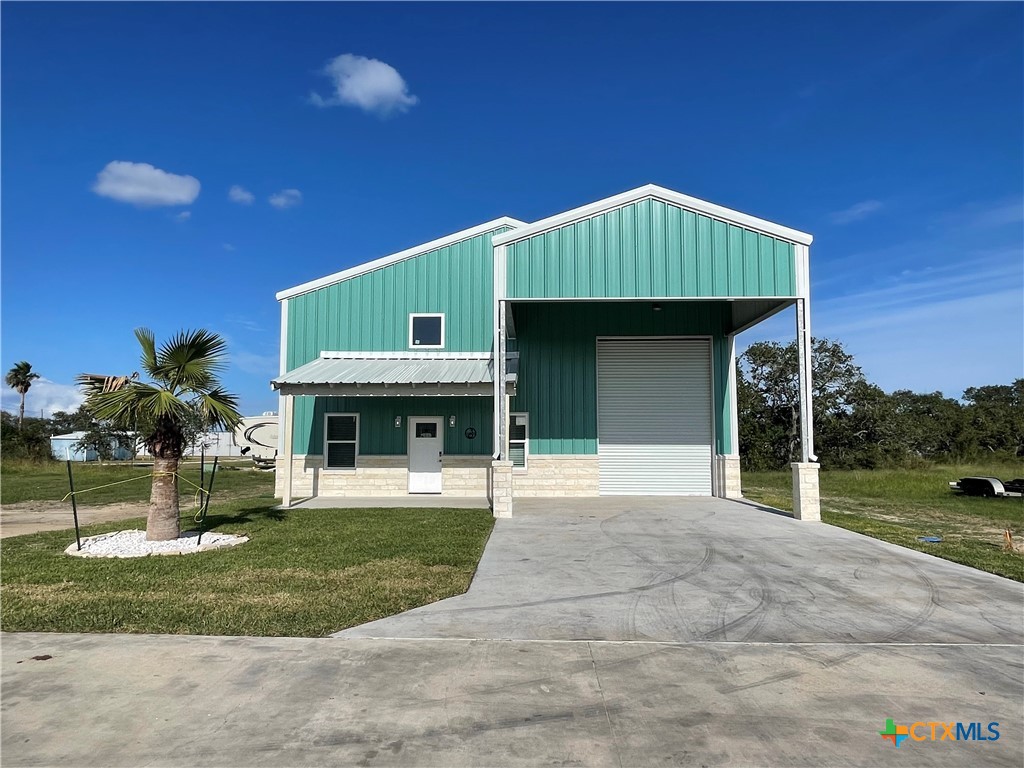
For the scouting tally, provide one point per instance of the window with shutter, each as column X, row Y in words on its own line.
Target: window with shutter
column 341, row 441
column 518, row 439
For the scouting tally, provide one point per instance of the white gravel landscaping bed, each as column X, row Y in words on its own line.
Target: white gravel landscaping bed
column 134, row 544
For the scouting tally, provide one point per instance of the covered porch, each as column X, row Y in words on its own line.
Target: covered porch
column 405, row 428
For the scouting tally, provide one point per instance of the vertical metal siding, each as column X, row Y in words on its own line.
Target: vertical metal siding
column 654, row 417
column 650, row 248
column 378, row 435
column 371, row 312
column 558, row 363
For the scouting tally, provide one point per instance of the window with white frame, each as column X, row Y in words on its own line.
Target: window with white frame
column 341, row 440
column 426, row 330
column 518, row 439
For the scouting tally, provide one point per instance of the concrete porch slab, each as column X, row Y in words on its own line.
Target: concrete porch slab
column 427, row 501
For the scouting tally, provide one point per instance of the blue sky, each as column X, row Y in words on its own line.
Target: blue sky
column 892, row 132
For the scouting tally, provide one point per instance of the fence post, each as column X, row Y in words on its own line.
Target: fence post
column 74, row 506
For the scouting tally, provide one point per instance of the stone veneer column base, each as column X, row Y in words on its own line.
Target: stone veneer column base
column 501, row 488
column 727, row 476
column 806, row 499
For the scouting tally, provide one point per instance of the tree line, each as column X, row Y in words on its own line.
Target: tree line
column 29, row 438
column 857, row 425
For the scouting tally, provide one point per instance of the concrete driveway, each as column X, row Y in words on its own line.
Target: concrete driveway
column 628, row 632
column 699, row 570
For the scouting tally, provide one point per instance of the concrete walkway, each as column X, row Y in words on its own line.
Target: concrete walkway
column 642, row 632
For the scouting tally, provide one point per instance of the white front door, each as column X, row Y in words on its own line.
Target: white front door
column 426, row 446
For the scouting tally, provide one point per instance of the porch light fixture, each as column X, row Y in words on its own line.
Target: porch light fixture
column 656, row 307
column 398, row 422
column 451, row 421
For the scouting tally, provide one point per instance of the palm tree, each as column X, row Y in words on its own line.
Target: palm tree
column 20, row 379
column 184, row 385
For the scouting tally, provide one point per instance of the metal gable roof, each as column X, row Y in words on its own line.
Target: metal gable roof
column 408, row 253
column 658, row 193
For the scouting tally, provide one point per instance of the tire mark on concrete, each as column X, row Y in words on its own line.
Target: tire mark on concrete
column 701, row 565
column 764, row 597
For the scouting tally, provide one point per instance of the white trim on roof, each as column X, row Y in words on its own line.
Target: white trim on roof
column 69, row 436
column 408, row 253
column 328, row 355
column 665, row 195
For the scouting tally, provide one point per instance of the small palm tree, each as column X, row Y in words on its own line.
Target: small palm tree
column 20, row 379
column 184, row 385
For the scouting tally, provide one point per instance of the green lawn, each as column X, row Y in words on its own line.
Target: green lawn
column 900, row 505
column 304, row 573
column 30, row 481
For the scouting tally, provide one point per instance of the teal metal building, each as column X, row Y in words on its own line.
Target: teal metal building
column 589, row 353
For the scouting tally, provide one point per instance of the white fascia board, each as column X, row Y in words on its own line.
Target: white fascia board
column 283, row 352
column 665, row 195
column 329, row 355
column 408, row 253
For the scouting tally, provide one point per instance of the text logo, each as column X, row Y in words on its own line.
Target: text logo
column 937, row 731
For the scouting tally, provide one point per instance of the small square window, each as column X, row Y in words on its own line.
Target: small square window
column 426, row 331
column 426, row 429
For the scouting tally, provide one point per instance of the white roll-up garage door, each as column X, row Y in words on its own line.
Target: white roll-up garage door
column 654, row 416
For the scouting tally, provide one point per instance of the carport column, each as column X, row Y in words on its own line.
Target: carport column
column 806, row 500
column 288, row 401
column 501, row 488
column 729, row 485
column 501, row 468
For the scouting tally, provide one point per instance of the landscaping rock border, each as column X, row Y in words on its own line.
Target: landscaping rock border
column 133, row 544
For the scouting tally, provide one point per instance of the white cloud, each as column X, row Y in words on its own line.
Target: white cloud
column 183, row 216
column 286, row 198
column 945, row 345
column 855, row 212
column 228, row 247
column 244, row 322
column 1000, row 215
column 255, row 364
column 369, row 84
column 241, row 195
column 941, row 328
column 44, row 395
column 143, row 185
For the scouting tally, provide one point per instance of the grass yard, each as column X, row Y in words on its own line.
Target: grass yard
column 30, row 481
column 304, row 573
column 900, row 505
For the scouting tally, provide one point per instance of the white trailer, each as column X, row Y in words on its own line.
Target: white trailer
column 256, row 437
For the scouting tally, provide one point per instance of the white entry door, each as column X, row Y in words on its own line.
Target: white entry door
column 426, row 446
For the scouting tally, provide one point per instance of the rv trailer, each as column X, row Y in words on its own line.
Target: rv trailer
column 256, row 436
